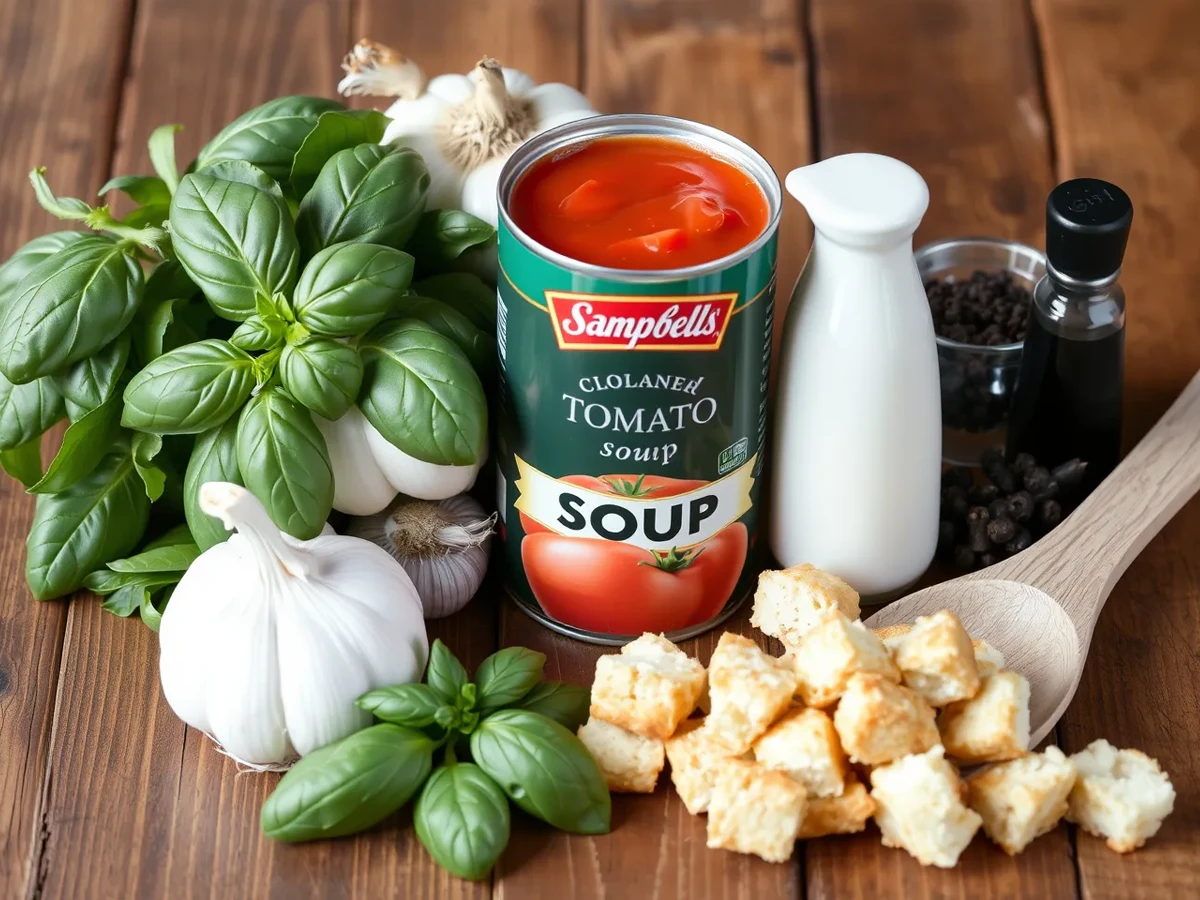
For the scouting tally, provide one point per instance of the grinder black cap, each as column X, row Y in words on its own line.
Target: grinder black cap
column 1087, row 225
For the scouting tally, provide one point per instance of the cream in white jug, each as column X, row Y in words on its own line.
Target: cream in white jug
column 857, row 439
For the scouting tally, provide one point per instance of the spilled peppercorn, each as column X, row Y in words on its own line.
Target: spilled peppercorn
column 1018, row 502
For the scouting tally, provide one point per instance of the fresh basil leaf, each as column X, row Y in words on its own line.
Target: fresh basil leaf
column 447, row 321
column 267, row 136
column 346, row 289
column 413, row 705
column 323, row 374
column 27, row 410
column 162, row 154
column 370, row 194
column 84, row 444
column 173, row 558
column 24, row 462
column 244, row 173
column 26, row 259
column 461, row 817
column 68, row 307
column 445, row 674
column 235, row 241
column 284, row 461
column 422, row 395
column 144, row 189
column 144, row 448
column 442, row 235
column 544, row 769
column 257, row 333
column 466, row 293
column 508, row 675
column 70, row 208
column 142, row 217
column 335, row 130
column 127, row 600
column 349, row 785
column 90, row 382
column 106, row 581
column 214, row 458
column 191, row 389
column 567, row 704
column 152, row 610
column 75, row 531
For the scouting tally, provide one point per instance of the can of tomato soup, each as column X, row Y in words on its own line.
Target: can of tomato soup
column 636, row 296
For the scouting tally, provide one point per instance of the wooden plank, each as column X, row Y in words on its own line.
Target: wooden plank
column 60, row 71
column 1122, row 84
column 951, row 87
column 740, row 67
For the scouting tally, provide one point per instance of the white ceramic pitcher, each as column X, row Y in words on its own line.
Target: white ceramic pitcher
column 857, row 440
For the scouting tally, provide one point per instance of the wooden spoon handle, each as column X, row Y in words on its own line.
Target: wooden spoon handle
column 1085, row 556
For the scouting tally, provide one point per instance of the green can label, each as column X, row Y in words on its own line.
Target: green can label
column 632, row 424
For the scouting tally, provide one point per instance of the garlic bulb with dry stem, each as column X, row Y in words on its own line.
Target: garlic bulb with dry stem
column 441, row 544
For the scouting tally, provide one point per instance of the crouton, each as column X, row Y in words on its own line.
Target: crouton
column 789, row 602
column 755, row 810
column 1120, row 795
column 747, row 690
column 845, row 814
column 936, row 659
column 891, row 634
column 1022, row 798
column 993, row 725
column 833, row 651
column 988, row 660
column 630, row 763
column 804, row 744
column 648, row 688
column 879, row 721
column 695, row 755
column 919, row 807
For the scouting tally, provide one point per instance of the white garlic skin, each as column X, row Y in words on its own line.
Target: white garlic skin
column 446, row 578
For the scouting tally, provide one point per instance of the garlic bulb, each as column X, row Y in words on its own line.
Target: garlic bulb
column 464, row 126
column 368, row 471
column 268, row 640
column 442, row 546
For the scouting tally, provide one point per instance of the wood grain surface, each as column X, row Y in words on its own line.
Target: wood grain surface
column 104, row 793
column 1124, row 85
column 61, row 65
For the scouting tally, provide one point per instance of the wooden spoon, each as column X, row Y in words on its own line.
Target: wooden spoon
column 1039, row 608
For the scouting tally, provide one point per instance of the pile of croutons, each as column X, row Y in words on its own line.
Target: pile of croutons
column 785, row 744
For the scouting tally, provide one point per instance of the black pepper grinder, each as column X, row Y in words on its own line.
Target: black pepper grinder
column 1067, row 401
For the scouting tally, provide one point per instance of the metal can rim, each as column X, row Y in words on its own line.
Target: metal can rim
column 712, row 139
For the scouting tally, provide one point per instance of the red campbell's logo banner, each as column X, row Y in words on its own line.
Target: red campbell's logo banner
column 600, row 322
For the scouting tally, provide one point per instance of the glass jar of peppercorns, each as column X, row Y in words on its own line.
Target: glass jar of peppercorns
column 979, row 291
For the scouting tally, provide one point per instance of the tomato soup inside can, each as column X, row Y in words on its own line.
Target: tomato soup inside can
column 634, row 323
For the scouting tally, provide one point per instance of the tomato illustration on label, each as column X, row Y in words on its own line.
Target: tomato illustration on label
column 618, row 588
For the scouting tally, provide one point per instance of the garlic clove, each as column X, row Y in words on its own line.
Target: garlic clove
column 556, row 104
column 452, row 88
column 415, row 477
column 445, row 179
column 517, row 82
column 360, row 487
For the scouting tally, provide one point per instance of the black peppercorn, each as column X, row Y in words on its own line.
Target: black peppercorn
column 988, row 559
column 1021, row 542
column 1001, row 476
column 954, row 501
column 1037, row 480
column 1020, row 506
column 1001, row 530
column 977, row 520
column 1022, row 463
column 983, row 494
column 1050, row 513
column 964, row 557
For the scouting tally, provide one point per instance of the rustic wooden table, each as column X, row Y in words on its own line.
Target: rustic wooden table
column 104, row 793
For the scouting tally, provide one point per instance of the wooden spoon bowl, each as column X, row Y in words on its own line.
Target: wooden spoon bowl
column 1039, row 608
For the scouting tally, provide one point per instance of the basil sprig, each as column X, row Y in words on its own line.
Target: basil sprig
column 495, row 746
column 194, row 338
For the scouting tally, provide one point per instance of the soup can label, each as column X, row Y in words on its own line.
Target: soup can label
column 631, row 428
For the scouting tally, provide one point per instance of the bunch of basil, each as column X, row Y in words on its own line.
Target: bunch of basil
column 518, row 731
column 193, row 339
